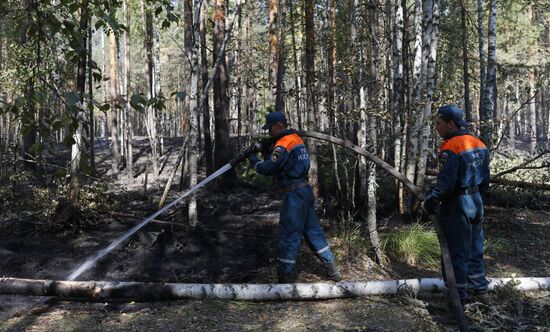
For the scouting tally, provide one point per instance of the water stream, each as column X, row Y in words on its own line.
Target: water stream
column 90, row 262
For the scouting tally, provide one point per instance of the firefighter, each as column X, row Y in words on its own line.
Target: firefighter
column 462, row 180
column 288, row 163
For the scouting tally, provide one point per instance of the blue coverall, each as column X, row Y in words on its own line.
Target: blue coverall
column 289, row 164
column 463, row 177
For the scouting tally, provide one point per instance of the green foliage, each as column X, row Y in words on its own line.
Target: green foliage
column 416, row 245
column 351, row 238
column 494, row 246
column 250, row 175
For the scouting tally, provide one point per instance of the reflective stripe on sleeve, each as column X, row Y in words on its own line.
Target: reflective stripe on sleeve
column 289, row 261
column 323, row 250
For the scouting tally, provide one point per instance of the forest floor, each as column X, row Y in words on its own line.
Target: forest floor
column 235, row 242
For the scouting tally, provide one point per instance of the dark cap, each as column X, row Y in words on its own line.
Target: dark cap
column 272, row 118
column 452, row 112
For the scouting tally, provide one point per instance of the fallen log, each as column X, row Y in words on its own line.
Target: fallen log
column 147, row 291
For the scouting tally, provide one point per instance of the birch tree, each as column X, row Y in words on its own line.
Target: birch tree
column 489, row 96
column 311, row 90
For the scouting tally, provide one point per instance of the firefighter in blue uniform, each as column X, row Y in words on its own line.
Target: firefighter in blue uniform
column 288, row 163
column 462, row 180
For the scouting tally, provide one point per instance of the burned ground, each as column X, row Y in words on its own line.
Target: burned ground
column 235, row 242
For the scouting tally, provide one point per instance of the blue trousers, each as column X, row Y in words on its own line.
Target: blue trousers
column 462, row 223
column 298, row 219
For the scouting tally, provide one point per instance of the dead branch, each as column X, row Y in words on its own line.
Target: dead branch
column 520, row 166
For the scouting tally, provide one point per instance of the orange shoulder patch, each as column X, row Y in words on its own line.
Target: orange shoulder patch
column 289, row 141
column 459, row 144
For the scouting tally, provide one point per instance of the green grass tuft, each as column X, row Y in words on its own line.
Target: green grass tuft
column 417, row 245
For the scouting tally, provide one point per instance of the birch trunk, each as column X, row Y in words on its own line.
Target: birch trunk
column 102, row 290
column 430, row 86
column 193, row 54
column 398, row 95
column 417, row 88
column 128, row 74
column 374, row 91
column 151, row 118
column 531, row 128
column 78, row 146
column 205, row 105
column 489, row 97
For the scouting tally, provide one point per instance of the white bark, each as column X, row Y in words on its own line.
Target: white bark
column 298, row 291
column 489, row 97
column 430, row 85
column 193, row 54
column 417, row 69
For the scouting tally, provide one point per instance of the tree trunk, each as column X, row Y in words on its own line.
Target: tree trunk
column 280, row 91
column 273, row 13
column 311, row 91
column 151, row 118
column 417, row 92
column 297, row 73
column 374, row 95
column 104, row 290
column 192, row 53
column 113, row 121
column 239, row 86
column 91, row 94
column 222, row 147
column 433, row 31
column 531, row 128
column 205, row 107
column 128, row 73
column 414, row 112
column 489, row 97
column 481, row 48
column 465, row 61
column 398, row 95
column 78, row 146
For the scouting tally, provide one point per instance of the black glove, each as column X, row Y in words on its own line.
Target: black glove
column 254, row 148
column 430, row 206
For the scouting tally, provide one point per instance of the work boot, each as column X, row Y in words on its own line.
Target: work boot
column 286, row 278
column 332, row 271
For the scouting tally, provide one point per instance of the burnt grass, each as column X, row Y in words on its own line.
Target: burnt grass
column 235, row 242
